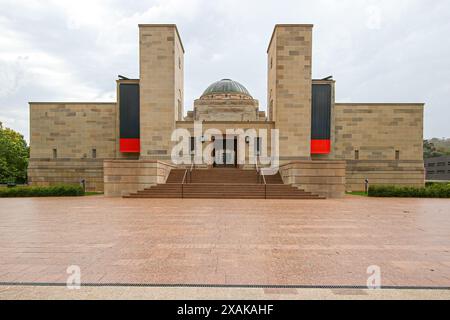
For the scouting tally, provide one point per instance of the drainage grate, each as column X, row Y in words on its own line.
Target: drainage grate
column 219, row 286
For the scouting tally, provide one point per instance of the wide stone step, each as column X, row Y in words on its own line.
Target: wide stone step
column 222, row 183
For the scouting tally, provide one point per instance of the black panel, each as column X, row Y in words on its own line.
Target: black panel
column 321, row 112
column 129, row 111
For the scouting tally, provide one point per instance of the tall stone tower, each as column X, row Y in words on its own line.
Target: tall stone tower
column 290, row 88
column 161, row 88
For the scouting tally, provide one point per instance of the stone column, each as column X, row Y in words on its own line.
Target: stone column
column 290, row 89
column 161, row 88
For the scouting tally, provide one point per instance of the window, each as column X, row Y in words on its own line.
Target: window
column 258, row 144
column 441, row 172
column 397, row 155
column 356, row 154
column 431, row 164
column 192, row 145
column 94, row 153
column 441, row 164
column 430, row 172
column 55, row 154
column 448, row 163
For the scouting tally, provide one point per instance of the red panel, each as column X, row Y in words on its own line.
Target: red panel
column 320, row 146
column 130, row 145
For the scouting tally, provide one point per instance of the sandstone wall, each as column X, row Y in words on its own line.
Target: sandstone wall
column 226, row 110
column 161, row 83
column 325, row 178
column 381, row 142
column 73, row 129
column 123, row 177
column 290, row 83
column 69, row 142
column 48, row 172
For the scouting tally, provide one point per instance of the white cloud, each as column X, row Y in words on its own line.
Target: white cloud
column 73, row 50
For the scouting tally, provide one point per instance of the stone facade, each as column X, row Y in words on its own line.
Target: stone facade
column 161, row 88
column 74, row 130
column 238, row 110
column 48, row 172
column 381, row 142
column 290, row 81
column 71, row 142
column 123, row 177
column 325, row 178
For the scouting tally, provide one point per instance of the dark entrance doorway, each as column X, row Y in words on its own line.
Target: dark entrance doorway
column 225, row 152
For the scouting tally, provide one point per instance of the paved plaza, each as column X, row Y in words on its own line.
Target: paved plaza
column 225, row 242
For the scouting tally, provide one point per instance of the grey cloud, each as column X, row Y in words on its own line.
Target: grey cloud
column 378, row 51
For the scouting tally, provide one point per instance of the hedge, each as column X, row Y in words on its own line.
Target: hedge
column 431, row 191
column 54, row 191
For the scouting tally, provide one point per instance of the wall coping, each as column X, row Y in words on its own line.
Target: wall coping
column 343, row 162
column 227, row 122
column 73, row 103
column 141, row 161
column 381, row 104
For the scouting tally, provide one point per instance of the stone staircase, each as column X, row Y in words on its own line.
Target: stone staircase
column 226, row 183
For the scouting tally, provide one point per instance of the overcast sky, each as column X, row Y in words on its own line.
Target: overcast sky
column 378, row 51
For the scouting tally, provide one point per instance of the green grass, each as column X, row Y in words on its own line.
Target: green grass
column 358, row 193
column 89, row 194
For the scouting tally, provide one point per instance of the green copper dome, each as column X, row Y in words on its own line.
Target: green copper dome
column 226, row 86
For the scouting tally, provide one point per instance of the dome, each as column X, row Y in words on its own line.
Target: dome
column 225, row 86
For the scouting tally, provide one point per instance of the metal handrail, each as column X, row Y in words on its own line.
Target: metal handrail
column 182, row 184
column 257, row 169
column 265, row 184
column 190, row 172
column 261, row 173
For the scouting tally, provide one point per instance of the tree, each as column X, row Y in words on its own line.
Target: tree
column 436, row 148
column 14, row 154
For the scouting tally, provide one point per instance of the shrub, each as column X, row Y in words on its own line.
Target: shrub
column 53, row 191
column 432, row 183
column 438, row 190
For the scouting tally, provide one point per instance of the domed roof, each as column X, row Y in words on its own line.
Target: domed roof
column 226, row 86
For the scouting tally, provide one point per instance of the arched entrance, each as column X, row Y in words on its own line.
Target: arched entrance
column 225, row 152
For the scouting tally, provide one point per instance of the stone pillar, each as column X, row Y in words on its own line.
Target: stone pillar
column 290, row 89
column 161, row 88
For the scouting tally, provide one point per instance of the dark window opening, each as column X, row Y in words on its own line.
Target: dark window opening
column 258, row 143
column 430, row 172
column 356, row 154
column 55, row 154
column 441, row 164
column 431, row 164
column 192, row 144
column 397, row 155
column 94, row 153
column 441, row 172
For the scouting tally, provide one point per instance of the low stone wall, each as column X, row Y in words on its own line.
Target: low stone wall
column 383, row 172
column 47, row 172
column 123, row 177
column 325, row 178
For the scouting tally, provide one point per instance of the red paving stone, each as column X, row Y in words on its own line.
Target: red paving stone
column 238, row 242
